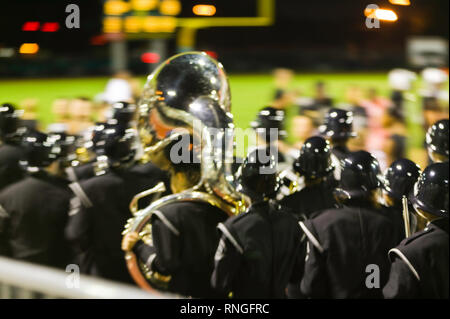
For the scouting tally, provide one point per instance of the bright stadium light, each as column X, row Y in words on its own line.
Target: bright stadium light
column 381, row 14
column 400, row 2
column 29, row 48
column 385, row 15
column 204, row 10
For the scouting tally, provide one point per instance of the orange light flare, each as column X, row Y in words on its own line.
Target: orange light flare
column 381, row 14
column 29, row 48
column 204, row 10
column 400, row 2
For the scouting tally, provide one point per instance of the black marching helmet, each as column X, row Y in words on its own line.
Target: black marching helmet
column 257, row 176
column 338, row 125
column 67, row 145
column 437, row 138
column 269, row 118
column 360, row 175
column 431, row 190
column 400, row 177
column 40, row 150
column 122, row 113
column 118, row 146
column 314, row 160
column 9, row 120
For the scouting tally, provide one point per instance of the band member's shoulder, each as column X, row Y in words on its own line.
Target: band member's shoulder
column 413, row 239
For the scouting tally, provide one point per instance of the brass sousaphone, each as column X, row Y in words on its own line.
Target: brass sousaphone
column 188, row 93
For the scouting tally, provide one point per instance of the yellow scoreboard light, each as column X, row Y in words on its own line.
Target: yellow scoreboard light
column 159, row 24
column 116, row 7
column 150, row 24
column 167, row 24
column 170, row 7
column 144, row 18
column 133, row 24
column 112, row 25
column 144, row 5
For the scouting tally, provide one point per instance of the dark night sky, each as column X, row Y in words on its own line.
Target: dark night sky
column 305, row 34
column 298, row 23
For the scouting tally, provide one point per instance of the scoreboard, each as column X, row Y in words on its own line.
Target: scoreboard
column 149, row 18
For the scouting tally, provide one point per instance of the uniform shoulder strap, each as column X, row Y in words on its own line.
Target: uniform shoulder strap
column 79, row 192
column 397, row 252
column 226, row 232
column 312, row 238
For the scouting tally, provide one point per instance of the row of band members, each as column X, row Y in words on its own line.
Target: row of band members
column 316, row 240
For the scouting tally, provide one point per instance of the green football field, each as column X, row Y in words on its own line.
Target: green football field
column 249, row 93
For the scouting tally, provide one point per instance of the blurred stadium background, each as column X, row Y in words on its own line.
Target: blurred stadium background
column 41, row 59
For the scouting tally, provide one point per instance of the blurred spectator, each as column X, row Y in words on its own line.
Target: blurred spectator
column 317, row 106
column 353, row 96
column 321, row 99
column 283, row 100
column 60, row 110
column 29, row 117
column 303, row 127
column 400, row 81
column 435, row 97
column 376, row 107
column 118, row 88
column 80, row 110
column 282, row 78
column 102, row 110
column 394, row 146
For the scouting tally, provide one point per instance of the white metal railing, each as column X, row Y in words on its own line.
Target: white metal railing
column 25, row 280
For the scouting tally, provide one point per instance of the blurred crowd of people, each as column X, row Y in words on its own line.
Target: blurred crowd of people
column 381, row 123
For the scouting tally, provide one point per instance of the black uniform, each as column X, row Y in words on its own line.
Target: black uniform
column 33, row 213
column 420, row 264
column 185, row 239
column 10, row 170
column 260, row 252
column 304, row 204
column 98, row 214
column 342, row 243
column 82, row 172
column 396, row 214
column 311, row 199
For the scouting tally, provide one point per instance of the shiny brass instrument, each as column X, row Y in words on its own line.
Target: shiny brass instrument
column 157, row 190
column 406, row 217
column 187, row 94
